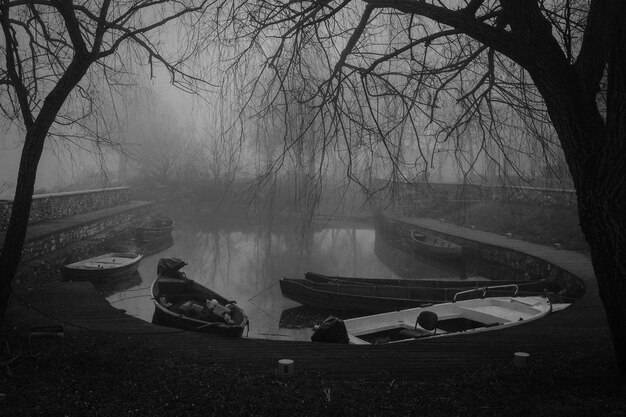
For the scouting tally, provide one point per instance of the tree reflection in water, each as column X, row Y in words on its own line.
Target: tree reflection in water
column 246, row 261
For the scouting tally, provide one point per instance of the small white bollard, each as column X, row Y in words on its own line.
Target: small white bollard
column 520, row 359
column 285, row 367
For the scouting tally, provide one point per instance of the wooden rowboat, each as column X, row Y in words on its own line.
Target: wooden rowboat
column 155, row 229
column 431, row 282
column 429, row 244
column 441, row 320
column 182, row 303
column 380, row 295
column 103, row 267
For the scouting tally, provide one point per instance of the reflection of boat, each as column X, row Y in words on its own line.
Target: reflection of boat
column 155, row 229
column 380, row 295
column 154, row 246
column 305, row 317
column 116, row 285
column 103, row 267
column 447, row 319
column 434, row 245
column 183, row 303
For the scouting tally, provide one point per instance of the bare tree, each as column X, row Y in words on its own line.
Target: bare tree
column 56, row 54
column 445, row 71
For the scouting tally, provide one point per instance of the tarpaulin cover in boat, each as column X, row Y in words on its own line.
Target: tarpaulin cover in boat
column 169, row 265
column 331, row 330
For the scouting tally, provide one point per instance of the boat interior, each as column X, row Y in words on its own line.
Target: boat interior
column 431, row 240
column 183, row 296
column 452, row 318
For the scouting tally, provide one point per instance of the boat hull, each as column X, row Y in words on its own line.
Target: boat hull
column 155, row 230
column 374, row 296
column 168, row 293
column 162, row 318
column 111, row 266
column 322, row 298
column 435, row 246
column 452, row 319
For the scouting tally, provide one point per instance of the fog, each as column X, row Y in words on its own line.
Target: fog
column 157, row 133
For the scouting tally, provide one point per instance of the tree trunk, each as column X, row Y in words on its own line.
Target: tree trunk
column 604, row 227
column 594, row 148
column 27, row 174
column 595, row 151
column 595, row 155
column 18, row 222
column 603, row 218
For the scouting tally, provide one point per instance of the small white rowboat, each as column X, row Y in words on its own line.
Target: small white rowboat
column 103, row 267
column 447, row 319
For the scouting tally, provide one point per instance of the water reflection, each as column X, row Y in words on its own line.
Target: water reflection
column 245, row 264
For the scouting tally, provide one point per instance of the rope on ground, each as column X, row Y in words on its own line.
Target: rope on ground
column 257, row 306
column 262, row 291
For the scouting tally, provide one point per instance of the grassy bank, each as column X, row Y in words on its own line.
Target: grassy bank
column 102, row 376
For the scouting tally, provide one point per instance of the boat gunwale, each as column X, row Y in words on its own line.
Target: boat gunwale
column 80, row 265
column 403, row 323
column 205, row 324
column 450, row 249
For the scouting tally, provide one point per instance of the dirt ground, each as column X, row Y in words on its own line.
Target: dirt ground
column 99, row 375
column 103, row 376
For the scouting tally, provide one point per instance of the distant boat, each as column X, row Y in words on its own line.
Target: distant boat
column 427, row 243
column 182, row 303
column 104, row 267
column 155, row 229
column 379, row 295
column 440, row 320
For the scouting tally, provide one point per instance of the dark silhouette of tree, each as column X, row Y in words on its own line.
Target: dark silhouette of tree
column 56, row 54
column 451, row 73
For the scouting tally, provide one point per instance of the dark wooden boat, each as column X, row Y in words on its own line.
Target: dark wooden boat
column 103, row 267
column 182, row 303
column 381, row 295
column 437, row 283
column 155, row 229
column 434, row 245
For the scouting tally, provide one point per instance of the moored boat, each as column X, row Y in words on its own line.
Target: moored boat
column 380, row 295
column 429, row 282
column 441, row 320
column 156, row 229
column 430, row 244
column 182, row 303
column 103, row 267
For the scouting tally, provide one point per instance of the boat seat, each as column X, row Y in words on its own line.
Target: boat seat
column 427, row 321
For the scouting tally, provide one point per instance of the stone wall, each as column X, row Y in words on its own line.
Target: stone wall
column 56, row 206
column 411, row 198
column 80, row 232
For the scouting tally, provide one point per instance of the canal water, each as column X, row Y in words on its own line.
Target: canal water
column 245, row 264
